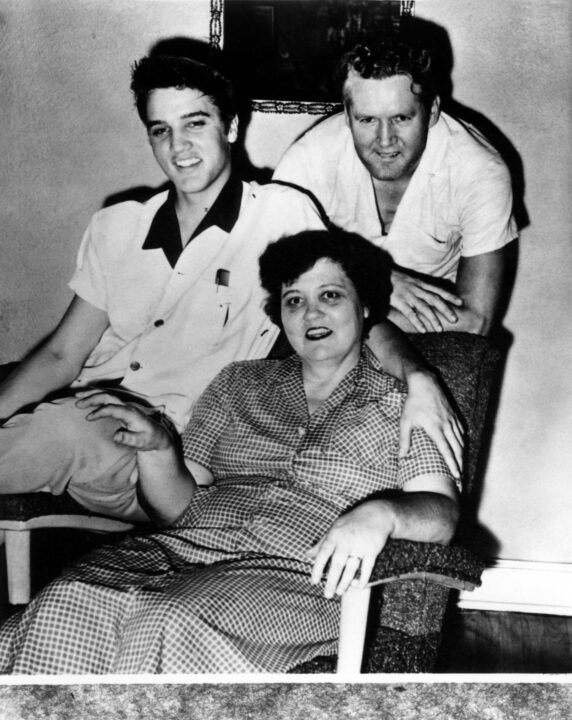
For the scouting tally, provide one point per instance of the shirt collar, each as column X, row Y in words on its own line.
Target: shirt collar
column 164, row 233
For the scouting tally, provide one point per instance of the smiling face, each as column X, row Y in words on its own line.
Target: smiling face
column 389, row 124
column 189, row 140
column 322, row 315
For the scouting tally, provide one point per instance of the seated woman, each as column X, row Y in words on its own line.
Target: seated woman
column 303, row 487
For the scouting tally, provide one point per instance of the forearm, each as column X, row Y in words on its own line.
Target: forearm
column 41, row 373
column 394, row 351
column 166, row 485
column 419, row 516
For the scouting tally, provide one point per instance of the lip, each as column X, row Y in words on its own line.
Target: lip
column 187, row 163
column 387, row 157
column 317, row 333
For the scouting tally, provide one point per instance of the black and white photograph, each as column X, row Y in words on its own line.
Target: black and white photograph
column 285, row 404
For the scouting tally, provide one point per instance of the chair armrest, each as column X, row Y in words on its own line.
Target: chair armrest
column 450, row 565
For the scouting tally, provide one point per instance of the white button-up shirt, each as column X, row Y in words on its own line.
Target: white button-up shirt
column 458, row 202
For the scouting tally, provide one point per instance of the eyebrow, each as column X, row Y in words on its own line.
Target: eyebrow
column 291, row 289
column 185, row 116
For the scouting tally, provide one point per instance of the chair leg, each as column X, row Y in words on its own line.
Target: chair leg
column 18, row 566
column 353, row 622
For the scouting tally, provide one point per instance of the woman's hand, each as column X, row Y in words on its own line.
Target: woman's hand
column 352, row 543
column 138, row 429
column 427, row 407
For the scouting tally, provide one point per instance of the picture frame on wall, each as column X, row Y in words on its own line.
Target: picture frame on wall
column 283, row 53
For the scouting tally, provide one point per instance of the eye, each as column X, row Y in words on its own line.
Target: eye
column 331, row 295
column 293, row 301
column 399, row 119
column 158, row 132
column 367, row 120
column 196, row 124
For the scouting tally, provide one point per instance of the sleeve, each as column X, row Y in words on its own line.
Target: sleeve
column 486, row 209
column 88, row 280
column 209, row 419
column 423, row 460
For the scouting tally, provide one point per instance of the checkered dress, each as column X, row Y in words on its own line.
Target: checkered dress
column 226, row 588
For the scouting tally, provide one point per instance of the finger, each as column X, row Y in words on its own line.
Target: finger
column 440, row 308
column 444, row 295
column 128, row 438
column 409, row 312
column 456, row 443
column 337, row 565
column 349, row 573
column 405, row 430
column 321, row 559
column 367, row 563
column 117, row 412
column 94, row 398
column 428, row 317
column 448, row 455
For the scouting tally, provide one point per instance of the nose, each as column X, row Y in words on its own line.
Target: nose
column 385, row 134
column 179, row 141
column 313, row 310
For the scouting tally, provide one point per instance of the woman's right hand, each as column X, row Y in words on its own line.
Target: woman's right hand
column 138, row 430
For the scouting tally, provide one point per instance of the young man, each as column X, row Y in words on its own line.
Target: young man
column 166, row 294
column 416, row 182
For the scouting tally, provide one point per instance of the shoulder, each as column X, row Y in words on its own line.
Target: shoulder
column 380, row 383
column 281, row 207
column 318, row 143
column 466, row 145
column 127, row 214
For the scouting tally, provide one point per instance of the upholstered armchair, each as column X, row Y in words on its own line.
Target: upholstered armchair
column 398, row 629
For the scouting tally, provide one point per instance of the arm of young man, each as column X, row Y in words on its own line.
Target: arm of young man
column 426, row 405
column 418, row 306
column 426, row 511
column 57, row 361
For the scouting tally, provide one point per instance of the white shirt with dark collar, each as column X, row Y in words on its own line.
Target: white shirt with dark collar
column 177, row 318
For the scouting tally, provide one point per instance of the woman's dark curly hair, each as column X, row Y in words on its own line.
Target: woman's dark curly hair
column 166, row 71
column 366, row 266
column 392, row 55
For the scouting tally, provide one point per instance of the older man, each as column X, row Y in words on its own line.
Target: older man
column 425, row 187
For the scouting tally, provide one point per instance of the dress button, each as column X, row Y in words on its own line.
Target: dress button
column 135, row 366
column 158, row 323
column 301, row 431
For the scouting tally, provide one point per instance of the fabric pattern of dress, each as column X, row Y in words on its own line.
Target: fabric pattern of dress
column 226, row 588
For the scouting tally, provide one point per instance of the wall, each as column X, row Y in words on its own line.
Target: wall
column 70, row 138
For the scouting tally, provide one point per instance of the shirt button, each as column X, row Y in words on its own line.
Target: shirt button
column 158, row 323
column 135, row 366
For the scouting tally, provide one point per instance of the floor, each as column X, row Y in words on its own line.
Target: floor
column 474, row 641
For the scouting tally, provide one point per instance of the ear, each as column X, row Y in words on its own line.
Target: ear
column 232, row 134
column 435, row 110
column 366, row 312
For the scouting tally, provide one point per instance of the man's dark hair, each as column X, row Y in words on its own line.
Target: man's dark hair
column 366, row 266
column 166, row 71
column 394, row 54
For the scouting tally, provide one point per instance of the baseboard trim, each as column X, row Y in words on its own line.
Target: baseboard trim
column 523, row 586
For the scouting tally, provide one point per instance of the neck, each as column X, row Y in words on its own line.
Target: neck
column 190, row 204
column 321, row 378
